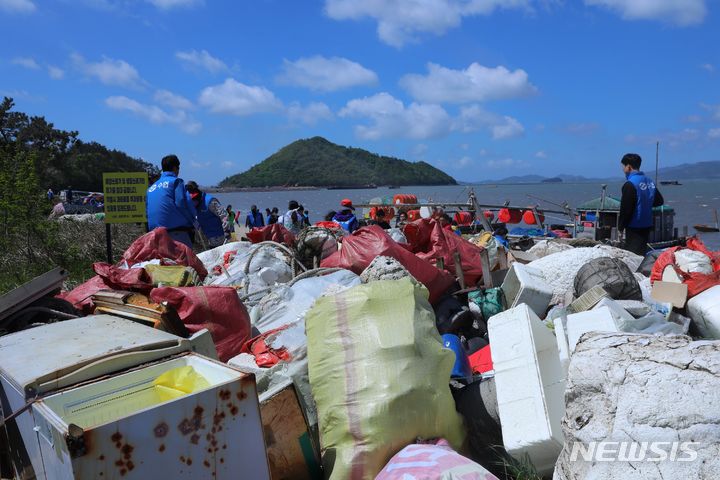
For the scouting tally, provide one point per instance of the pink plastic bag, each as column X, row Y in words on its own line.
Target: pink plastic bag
column 432, row 461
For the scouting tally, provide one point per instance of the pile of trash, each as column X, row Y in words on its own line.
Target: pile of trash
column 422, row 354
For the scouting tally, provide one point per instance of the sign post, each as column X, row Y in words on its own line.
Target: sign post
column 125, row 201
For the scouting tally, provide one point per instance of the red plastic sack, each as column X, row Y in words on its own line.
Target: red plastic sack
column 135, row 279
column 696, row 282
column 481, row 361
column 361, row 248
column 218, row 309
column 430, row 241
column 79, row 297
column 265, row 355
column 273, row 233
column 159, row 244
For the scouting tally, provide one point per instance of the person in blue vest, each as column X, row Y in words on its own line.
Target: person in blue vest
column 345, row 217
column 211, row 215
column 167, row 204
column 639, row 196
column 254, row 219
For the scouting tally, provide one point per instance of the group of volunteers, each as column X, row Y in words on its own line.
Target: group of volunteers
column 185, row 210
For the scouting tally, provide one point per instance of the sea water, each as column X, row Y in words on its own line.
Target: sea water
column 693, row 201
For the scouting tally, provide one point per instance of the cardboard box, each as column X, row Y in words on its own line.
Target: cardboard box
column 291, row 452
column 670, row 292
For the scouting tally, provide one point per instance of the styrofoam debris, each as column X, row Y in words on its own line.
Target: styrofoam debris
column 704, row 309
column 561, row 268
column 530, row 385
column 544, row 248
column 692, row 261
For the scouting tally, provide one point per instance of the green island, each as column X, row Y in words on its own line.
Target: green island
column 317, row 162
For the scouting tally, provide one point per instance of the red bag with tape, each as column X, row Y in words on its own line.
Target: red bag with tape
column 272, row 233
column 696, row 282
column 218, row 309
column 430, row 241
column 360, row 249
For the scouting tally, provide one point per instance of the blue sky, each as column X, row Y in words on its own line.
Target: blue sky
column 480, row 88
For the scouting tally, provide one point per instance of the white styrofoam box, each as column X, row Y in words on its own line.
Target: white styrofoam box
column 530, row 386
column 704, row 310
column 562, row 343
column 598, row 320
column 670, row 275
column 527, row 285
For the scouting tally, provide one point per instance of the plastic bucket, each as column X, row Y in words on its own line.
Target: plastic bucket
column 461, row 369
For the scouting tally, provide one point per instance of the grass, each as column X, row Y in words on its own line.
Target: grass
column 73, row 245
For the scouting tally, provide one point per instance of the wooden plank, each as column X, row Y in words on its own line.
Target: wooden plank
column 45, row 284
column 288, row 443
column 486, row 270
column 458, row 270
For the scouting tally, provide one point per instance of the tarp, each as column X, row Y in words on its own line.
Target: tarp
column 429, row 241
column 156, row 244
column 159, row 244
column 696, row 282
column 360, row 249
column 274, row 233
column 379, row 375
column 218, row 309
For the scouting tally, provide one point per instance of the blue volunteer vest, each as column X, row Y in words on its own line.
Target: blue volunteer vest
column 161, row 208
column 210, row 223
column 254, row 220
column 645, row 189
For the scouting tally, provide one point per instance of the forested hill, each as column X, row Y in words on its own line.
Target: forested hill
column 318, row 162
column 60, row 159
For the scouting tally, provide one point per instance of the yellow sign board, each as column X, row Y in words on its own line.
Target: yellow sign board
column 125, row 197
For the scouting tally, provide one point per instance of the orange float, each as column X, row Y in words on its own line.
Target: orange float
column 509, row 215
column 388, row 212
column 463, row 218
column 413, row 215
column 529, row 217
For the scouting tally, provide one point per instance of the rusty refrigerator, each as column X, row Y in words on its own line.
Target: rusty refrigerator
column 86, row 389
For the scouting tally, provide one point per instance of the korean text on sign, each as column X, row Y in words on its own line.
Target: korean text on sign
column 125, row 197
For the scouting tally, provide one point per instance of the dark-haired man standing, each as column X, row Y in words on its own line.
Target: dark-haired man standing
column 639, row 196
column 167, row 203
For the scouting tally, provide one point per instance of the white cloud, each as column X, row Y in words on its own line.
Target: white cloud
column 505, row 163
column 464, row 162
column 201, row 59
column 474, row 84
column 398, row 21
column 109, row 71
column 672, row 139
column 713, row 109
column 474, row 117
column 235, row 98
column 326, row 74
column 55, row 73
column 540, row 154
column 419, row 150
column 581, row 128
column 227, row 164
column 27, row 62
column 714, row 133
column 309, row 114
column 196, row 164
column 169, row 4
column 172, row 100
column 389, row 118
column 154, row 114
column 709, row 67
column 677, row 12
column 510, row 128
column 17, row 6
